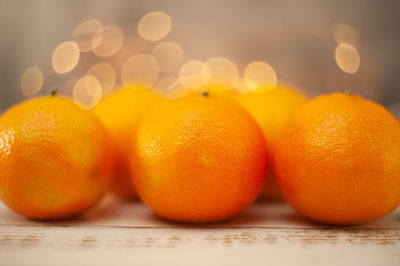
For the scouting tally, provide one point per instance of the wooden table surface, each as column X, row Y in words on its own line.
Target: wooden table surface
column 128, row 233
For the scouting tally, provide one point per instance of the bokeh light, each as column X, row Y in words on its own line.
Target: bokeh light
column 169, row 56
column 65, row 57
column 87, row 92
column 154, row 26
column 31, row 81
column 347, row 58
column 223, row 73
column 88, row 35
column 111, row 41
column 194, row 74
column 343, row 33
column 245, row 86
column 105, row 74
column 170, row 88
column 261, row 74
column 140, row 70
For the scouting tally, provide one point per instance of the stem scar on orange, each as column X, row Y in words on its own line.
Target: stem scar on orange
column 198, row 159
column 56, row 159
column 338, row 160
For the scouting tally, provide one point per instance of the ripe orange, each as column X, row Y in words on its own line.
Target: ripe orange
column 121, row 112
column 56, row 159
column 272, row 110
column 198, row 159
column 230, row 94
column 338, row 160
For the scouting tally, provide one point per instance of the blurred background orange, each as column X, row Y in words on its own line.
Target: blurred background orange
column 86, row 48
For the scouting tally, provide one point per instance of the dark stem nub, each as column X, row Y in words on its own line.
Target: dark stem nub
column 53, row 93
column 204, row 93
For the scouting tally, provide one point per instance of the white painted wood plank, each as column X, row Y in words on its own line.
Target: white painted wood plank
column 126, row 233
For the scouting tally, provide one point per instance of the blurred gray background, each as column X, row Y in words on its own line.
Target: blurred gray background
column 295, row 37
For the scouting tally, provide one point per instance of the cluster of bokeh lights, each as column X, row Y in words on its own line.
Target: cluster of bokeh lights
column 162, row 67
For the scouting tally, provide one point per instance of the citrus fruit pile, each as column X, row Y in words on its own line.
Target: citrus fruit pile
column 203, row 157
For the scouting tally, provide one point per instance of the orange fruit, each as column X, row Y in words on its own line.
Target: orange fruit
column 56, row 159
column 120, row 112
column 198, row 159
column 338, row 160
column 230, row 94
column 272, row 110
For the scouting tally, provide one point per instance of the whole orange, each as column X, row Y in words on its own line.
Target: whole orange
column 338, row 160
column 198, row 159
column 121, row 112
column 272, row 109
column 56, row 159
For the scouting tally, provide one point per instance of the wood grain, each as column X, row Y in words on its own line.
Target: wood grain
column 126, row 233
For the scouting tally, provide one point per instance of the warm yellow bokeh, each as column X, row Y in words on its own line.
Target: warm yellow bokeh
column 170, row 88
column 223, row 74
column 347, row 58
column 140, row 70
column 87, row 92
column 65, row 57
column 154, row 26
column 169, row 56
column 105, row 74
column 194, row 74
column 111, row 42
column 88, row 35
column 245, row 86
column 31, row 81
column 343, row 33
column 261, row 74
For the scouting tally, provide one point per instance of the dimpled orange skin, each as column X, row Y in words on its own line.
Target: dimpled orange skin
column 338, row 160
column 121, row 112
column 272, row 110
column 56, row 159
column 198, row 159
